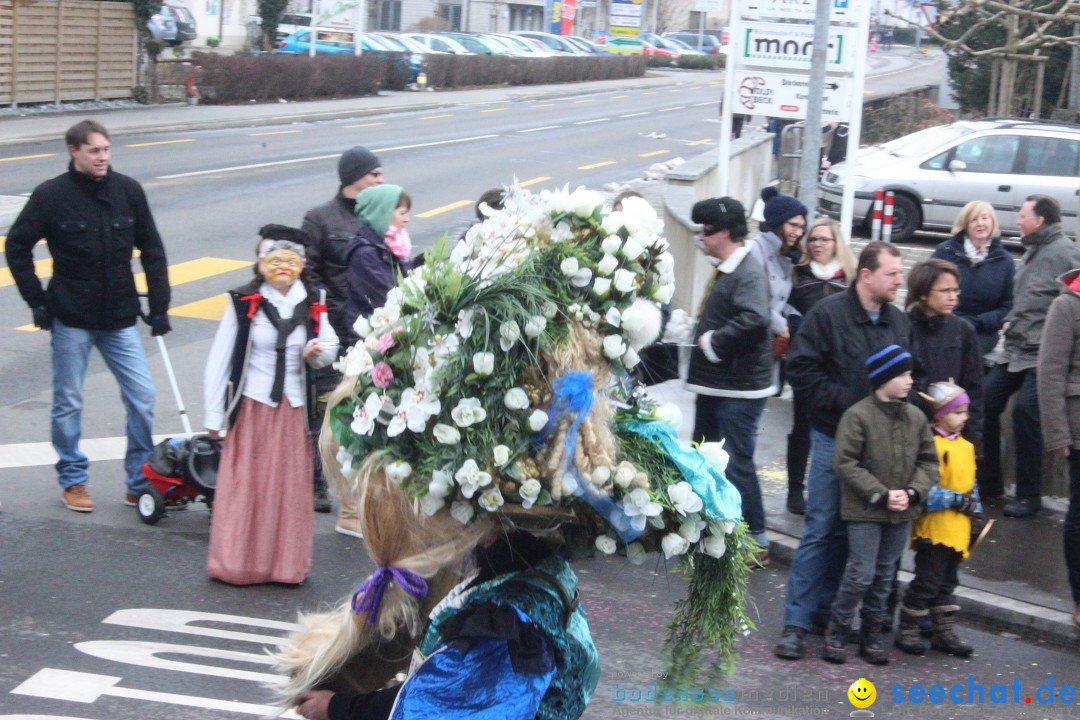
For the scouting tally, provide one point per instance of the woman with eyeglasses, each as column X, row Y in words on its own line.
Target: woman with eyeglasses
column 825, row 266
column 944, row 345
column 256, row 388
column 986, row 270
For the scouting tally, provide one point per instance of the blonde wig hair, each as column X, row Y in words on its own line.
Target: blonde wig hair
column 972, row 210
column 843, row 251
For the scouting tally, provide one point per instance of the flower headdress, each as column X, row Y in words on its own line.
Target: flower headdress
column 493, row 384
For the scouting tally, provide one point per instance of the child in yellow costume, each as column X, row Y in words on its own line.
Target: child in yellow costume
column 941, row 536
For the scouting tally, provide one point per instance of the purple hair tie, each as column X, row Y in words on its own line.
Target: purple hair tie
column 368, row 597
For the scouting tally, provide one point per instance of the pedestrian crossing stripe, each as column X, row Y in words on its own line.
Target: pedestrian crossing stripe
column 179, row 274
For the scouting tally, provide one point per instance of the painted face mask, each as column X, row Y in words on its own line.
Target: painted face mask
column 281, row 266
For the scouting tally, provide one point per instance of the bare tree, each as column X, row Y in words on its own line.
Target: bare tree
column 1032, row 28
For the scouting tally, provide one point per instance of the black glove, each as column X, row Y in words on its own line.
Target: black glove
column 159, row 324
column 965, row 503
column 42, row 317
column 978, row 522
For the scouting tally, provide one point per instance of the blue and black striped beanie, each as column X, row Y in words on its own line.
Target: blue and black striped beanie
column 887, row 363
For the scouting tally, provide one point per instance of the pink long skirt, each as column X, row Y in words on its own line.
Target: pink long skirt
column 262, row 522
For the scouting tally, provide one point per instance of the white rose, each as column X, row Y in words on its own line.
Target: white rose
column 624, row 280
column 581, row 278
column 468, row 412
column 462, row 511
column 607, row 265
column 601, row 475
column 625, row 475
column 491, row 500
column 632, row 249
column 635, row 553
column 665, row 263
column 398, row 470
column 613, row 223
column 483, row 363
column 501, row 455
column 614, row 347
column 663, row 293
column 358, row 361
column 535, row 326
column 569, row 266
column 471, row 478
column 447, row 434
column 509, row 333
column 613, row 317
column 529, row 491
column 605, row 544
column 715, row 455
column 516, row 399
column 683, row 497
column 728, row 526
column 715, row 546
column 630, row 358
column 362, row 327
column 569, row 484
column 691, row 529
column 537, row 420
column 601, row 287
column 633, row 318
column 550, row 310
column 431, row 504
column 673, row 544
column 671, row 414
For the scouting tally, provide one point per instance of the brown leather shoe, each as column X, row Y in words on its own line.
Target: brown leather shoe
column 77, row 498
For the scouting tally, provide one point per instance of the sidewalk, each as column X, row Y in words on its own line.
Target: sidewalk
column 1015, row 582
column 179, row 117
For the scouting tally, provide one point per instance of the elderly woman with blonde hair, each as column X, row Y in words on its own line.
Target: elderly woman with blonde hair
column 986, row 270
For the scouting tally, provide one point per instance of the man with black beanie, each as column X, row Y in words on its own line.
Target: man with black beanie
column 329, row 228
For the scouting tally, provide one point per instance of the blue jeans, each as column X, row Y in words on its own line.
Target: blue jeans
column 819, row 561
column 735, row 420
column 124, row 355
column 874, row 551
column 1027, row 431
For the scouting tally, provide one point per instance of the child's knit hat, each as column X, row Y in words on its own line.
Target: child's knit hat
column 887, row 363
column 944, row 397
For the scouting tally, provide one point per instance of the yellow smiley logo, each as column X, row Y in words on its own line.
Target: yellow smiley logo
column 862, row 693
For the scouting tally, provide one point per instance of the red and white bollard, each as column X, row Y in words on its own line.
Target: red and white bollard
column 875, row 223
column 886, row 228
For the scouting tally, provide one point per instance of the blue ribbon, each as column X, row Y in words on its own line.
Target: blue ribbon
column 720, row 498
column 368, row 597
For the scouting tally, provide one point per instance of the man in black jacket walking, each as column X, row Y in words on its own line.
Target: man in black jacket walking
column 329, row 228
column 93, row 218
column 827, row 362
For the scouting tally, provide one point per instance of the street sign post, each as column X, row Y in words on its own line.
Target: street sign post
column 787, row 95
column 777, row 45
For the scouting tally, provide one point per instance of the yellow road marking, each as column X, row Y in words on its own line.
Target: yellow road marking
column 701, row 142
column 619, row 97
column 193, row 270
column 363, row 125
column 444, row 208
column 596, row 165
column 713, row 83
column 27, row 328
column 535, row 180
column 651, row 92
column 275, row 132
column 579, row 102
column 655, row 152
column 211, row 308
column 544, row 105
column 28, row 157
column 436, row 117
column 495, row 110
column 43, row 268
column 160, row 142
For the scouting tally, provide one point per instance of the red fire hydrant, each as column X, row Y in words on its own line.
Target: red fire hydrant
column 191, row 90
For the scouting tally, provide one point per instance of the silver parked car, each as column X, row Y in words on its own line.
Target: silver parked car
column 172, row 24
column 937, row 171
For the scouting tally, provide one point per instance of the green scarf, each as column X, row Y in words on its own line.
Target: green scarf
column 375, row 206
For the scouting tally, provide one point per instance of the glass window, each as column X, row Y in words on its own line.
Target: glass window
column 388, row 15
column 1057, row 157
column 989, row 154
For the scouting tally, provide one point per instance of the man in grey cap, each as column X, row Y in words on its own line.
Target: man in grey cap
column 329, row 228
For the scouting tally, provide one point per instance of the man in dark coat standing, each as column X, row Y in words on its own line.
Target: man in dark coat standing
column 827, row 362
column 731, row 369
column 330, row 227
column 93, row 219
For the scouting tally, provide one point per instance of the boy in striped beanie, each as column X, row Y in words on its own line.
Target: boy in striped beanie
column 886, row 462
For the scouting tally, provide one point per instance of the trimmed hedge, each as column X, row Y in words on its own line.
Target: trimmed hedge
column 700, row 62
column 455, row 71
column 240, row 78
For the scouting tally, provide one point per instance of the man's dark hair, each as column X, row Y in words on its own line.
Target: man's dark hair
column 1045, row 207
column 717, row 214
column 921, row 281
column 493, row 198
column 870, row 257
column 79, row 133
